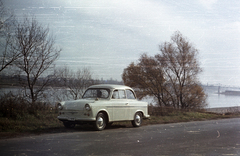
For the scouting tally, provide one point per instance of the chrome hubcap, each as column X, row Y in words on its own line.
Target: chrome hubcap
column 138, row 119
column 100, row 122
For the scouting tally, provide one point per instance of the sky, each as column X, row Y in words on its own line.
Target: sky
column 107, row 35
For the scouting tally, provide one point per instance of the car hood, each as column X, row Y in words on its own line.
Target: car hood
column 76, row 104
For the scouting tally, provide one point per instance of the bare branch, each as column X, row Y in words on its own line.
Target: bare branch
column 7, row 26
column 36, row 46
column 76, row 82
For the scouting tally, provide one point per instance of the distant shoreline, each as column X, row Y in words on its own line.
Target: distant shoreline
column 231, row 92
column 224, row 110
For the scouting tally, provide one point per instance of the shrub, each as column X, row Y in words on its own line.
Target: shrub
column 12, row 106
column 16, row 107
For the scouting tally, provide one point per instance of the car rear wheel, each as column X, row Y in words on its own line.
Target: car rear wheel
column 137, row 120
column 101, row 122
column 69, row 124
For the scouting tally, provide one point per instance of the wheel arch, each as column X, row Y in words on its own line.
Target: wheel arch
column 140, row 111
column 105, row 113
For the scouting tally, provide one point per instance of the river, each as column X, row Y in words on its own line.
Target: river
column 221, row 100
column 214, row 99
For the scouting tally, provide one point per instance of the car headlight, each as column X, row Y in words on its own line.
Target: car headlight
column 87, row 107
column 59, row 106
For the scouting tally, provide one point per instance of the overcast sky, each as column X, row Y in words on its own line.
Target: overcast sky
column 107, row 35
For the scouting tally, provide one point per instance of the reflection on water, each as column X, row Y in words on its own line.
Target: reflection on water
column 214, row 99
column 221, row 100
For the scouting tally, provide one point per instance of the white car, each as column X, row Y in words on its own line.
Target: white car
column 103, row 104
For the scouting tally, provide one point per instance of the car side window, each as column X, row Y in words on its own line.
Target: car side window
column 115, row 94
column 130, row 94
column 122, row 94
column 119, row 94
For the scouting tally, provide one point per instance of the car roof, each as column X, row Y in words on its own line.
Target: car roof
column 110, row 86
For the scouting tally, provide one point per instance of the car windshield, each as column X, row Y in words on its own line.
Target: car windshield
column 96, row 93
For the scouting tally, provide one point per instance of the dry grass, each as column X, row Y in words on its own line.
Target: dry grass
column 29, row 123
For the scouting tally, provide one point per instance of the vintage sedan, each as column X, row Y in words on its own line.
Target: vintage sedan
column 101, row 105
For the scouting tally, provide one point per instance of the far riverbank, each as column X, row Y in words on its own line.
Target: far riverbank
column 224, row 110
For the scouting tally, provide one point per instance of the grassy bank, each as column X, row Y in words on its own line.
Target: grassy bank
column 47, row 122
column 29, row 123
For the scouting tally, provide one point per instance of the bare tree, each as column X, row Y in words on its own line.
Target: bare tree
column 181, row 67
column 76, row 82
column 38, row 51
column 7, row 26
column 170, row 76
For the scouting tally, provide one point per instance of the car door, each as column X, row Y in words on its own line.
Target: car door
column 133, row 105
column 120, row 105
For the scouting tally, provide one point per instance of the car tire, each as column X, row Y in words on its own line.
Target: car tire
column 101, row 122
column 69, row 124
column 137, row 120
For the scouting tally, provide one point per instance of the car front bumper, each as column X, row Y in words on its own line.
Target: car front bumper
column 146, row 116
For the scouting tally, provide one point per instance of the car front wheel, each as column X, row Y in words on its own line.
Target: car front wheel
column 100, row 122
column 137, row 120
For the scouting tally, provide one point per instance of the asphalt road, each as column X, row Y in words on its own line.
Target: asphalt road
column 215, row 137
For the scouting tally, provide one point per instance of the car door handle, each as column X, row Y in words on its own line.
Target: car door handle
column 127, row 104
